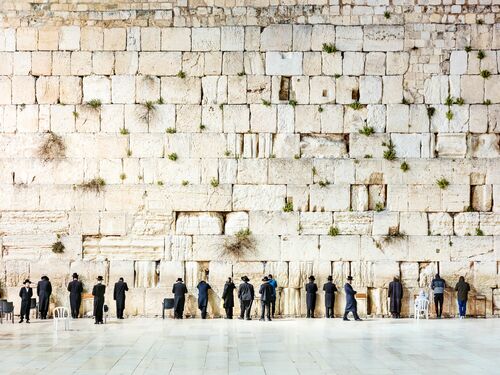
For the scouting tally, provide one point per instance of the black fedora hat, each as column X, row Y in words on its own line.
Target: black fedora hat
column 329, row 278
column 265, row 278
column 179, row 279
column 245, row 278
column 312, row 278
column 100, row 278
column 75, row 275
column 27, row 281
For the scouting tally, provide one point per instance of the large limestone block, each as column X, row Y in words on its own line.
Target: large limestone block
column 146, row 273
column 466, row 223
column 409, row 274
column 353, row 222
column 190, row 198
column 323, row 146
column 485, row 275
column 315, row 222
column 361, row 145
column 273, row 222
column 383, row 38
column 362, row 272
column 384, row 273
column 177, row 90
column 88, row 271
column 299, row 248
column 440, row 224
column 276, row 38
column 344, row 89
column 472, row 89
column 322, row 90
column 154, row 300
column 290, row 171
column 484, row 146
column 428, row 248
column 33, row 222
column 170, row 271
column 392, row 89
column 284, row 63
column 124, row 248
column 121, row 268
column 23, row 90
column 349, row 38
column 397, row 62
column 135, row 302
column 340, row 248
column 97, row 87
column 451, row 271
column 331, row 63
column 176, row 39
column 332, row 119
column 235, row 222
column 263, row 118
column 252, row 171
column 253, row 270
column 258, row 197
column 370, row 89
column 69, row 38
column 151, row 223
column 199, row 223
column 178, row 247
column 333, row 197
column 38, row 247
column 16, row 271
column 490, row 223
column 413, row 223
column 478, row 248
column 355, row 120
column 375, row 63
column 379, row 248
column 385, row 223
column 426, row 274
column 354, row 64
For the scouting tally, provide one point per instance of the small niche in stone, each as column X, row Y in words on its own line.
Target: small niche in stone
column 284, row 93
column 355, row 94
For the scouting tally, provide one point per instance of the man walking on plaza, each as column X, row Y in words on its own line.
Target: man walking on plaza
column 179, row 290
column 75, row 289
column 246, row 295
column 98, row 292
column 311, row 290
column 25, row 293
column 396, row 295
column 203, row 288
column 329, row 288
column 462, row 288
column 119, row 296
column 438, row 284
column 228, row 297
column 351, row 305
column 266, row 295
column 43, row 291
column 274, row 285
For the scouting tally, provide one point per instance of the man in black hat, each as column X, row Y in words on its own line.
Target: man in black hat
column 98, row 292
column 311, row 289
column 351, row 304
column 246, row 295
column 396, row 295
column 266, row 296
column 179, row 290
column 25, row 293
column 329, row 288
column 75, row 289
column 43, row 291
column 203, row 288
column 119, row 296
column 228, row 297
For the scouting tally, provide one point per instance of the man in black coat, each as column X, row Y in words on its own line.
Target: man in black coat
column 98, row 292
column 246, row 295
column 179, row 290
column 75, row 289
column 228, row 297
column 329, row 288
column 43, row 291
column 119, row 296
column 266, row 297
column 351, row 304
column 396, row 295
column 203, row 288
column 25, row 293
column 311, row 289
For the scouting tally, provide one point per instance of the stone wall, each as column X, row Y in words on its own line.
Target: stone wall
column 352, row 137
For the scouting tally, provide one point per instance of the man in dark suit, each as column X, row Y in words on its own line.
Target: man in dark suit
column 25, row 293
column 266, row 296
column 75, row 289
column 396, row 295
column 311, row 290
column 43, row 291
column 329, row 288
column 351, row 305
column 179, row 290
column 98, row 292
column 246, row 295
column 228, row 297
column 119, row 296
column 203, row 288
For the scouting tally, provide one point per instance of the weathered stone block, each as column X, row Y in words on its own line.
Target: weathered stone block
column 383, row 38
column 276, row 38
column 284, row 63
column 199, row 223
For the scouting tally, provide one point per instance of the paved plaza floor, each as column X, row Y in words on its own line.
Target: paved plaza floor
column 284, row 346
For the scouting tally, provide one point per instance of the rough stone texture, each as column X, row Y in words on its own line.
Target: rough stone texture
column 221, row 117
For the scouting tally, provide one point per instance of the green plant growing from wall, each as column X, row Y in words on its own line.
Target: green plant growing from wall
column 485, row 74
column 202, row 127
column 449, row 101
column 293, row 103
column 94, row 104
column 241, row 74
column 75, row 115
column 288, row 207
column 459, row 101
column 442, row 183
column 214, row 182
column 58, row 247
column 468, row 49
column 185, row 182
column 170, row 130
column 320, row 109
column 329, row 48
column 387, row 15
column 481, row 55
column 333, row 231
column 123, row 176
column 449, row 115
column 356, row 106
column 323, row 183
column 159, row 183
column 181, row 74
column 266, row 103
column 479, row 232
column 52, row 147
column 368, row 156
column 172, row 156
column 239, row 245
column 95, row 185
column 379, row 207
column 404, row 166
column 124, row 131
column 487, row 102
column 390, row 152
column 129, row 152
column 366, row 130
column 430, row 112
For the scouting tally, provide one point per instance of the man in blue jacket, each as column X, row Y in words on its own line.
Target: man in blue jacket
column 438, row 284
column 203, row 288
column 274, row 285
column 351, row 304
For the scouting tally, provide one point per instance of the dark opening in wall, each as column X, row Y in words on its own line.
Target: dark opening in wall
column 284, row 93
column 355, row 95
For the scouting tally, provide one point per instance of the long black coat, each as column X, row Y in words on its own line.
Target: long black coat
column 203, row 288
column 43, row 291
column 75, row 289
column 228, row 295
column 350, row 298
column 25, row 295
column 329, row 288
column 395, row 294
column 119, row 293
column 179, row 290
column 311, row 290
column 246, row 292
column 98, row 292
column 266, row 292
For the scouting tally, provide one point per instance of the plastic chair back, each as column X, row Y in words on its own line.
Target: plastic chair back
column 61, row 313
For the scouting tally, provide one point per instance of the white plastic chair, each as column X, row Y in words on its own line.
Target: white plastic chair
column 61, row 313
column 421, row 307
